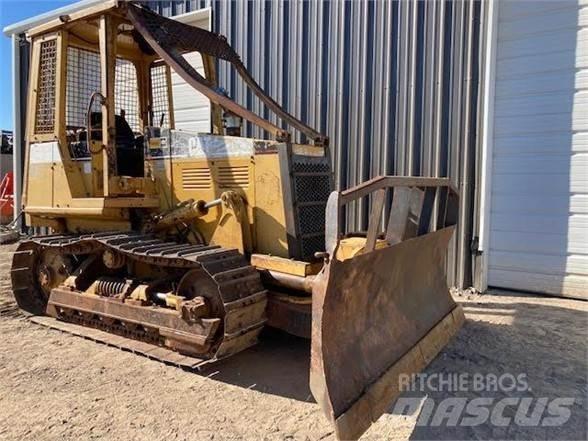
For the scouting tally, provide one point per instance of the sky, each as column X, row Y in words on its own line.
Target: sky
column 12, row 11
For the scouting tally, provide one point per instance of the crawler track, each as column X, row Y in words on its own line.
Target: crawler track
column 239, row 288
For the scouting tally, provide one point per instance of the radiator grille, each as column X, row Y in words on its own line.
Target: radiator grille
column 312, row 188
column 311, row 182
column 196, row 179
column 233, row 176
column 311, row 219
column 312, row 244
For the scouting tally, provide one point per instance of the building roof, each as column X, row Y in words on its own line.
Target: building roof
column 25, row 25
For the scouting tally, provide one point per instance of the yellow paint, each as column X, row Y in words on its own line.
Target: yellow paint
column 284, row 265
column 269, row 212
column 66, row 193
column 232, row 229
column 354, row 246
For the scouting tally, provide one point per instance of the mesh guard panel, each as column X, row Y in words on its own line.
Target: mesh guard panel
column 311, row 186
column 45, row 114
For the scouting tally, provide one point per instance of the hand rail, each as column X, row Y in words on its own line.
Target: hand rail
column 414, row 201
column 89, row 120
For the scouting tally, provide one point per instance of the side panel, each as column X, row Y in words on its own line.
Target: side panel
column 207, row 180
column 40, row 175
column 269, row 212
column 48, row 184
column 202, row 167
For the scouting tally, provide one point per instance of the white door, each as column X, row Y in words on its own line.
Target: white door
column 191, row 108
column 538, row 238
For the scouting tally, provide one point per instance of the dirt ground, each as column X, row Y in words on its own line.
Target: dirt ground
column 55, row 386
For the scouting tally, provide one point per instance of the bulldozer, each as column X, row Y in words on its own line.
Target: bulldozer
column 182, row 245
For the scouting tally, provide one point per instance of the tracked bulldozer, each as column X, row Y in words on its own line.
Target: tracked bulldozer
column 182, row 246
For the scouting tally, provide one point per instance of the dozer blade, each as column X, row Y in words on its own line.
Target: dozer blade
column 384, row 311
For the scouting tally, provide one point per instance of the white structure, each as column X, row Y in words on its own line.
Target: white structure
column 536, row 224
column 191, row 108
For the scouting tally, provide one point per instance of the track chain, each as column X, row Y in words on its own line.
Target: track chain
column 239, row 284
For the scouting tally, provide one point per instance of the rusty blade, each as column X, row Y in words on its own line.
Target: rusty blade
column 369, row 313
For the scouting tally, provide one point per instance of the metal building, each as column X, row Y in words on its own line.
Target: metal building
column 395, row 85
column 436, row 88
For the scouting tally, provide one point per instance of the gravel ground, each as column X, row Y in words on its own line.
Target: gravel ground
column 54, row 386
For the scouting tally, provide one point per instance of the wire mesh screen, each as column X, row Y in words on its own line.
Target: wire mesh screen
column 126, row 93
column 45, row 114
column 83, row 78
column 159, row 94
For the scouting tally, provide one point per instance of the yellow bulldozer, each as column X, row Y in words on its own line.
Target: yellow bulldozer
column 183, row 246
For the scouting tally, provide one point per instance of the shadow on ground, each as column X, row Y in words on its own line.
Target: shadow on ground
column 279, row 364
column 514, row 334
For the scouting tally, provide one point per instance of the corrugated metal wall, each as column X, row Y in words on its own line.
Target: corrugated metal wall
column 394, row 84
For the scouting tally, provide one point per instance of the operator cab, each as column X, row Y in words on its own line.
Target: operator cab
column 129, row 145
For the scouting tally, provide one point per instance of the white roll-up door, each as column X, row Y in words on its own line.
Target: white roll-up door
column 539, row 187
column 191, row 108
